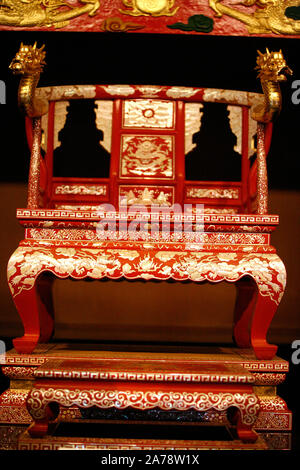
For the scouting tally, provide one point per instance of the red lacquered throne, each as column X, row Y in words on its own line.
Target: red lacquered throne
column 146, row 201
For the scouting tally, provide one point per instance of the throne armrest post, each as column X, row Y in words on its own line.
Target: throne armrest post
column 262, row 175
column 34, row 169
column 272, row 69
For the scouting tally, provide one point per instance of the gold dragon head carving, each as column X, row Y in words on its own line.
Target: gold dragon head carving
column 272, row 66
column 29, row 60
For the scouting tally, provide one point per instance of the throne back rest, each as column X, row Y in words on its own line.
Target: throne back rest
column 148, row 137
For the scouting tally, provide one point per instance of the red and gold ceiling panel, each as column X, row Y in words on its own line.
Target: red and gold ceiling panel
column 277, row 18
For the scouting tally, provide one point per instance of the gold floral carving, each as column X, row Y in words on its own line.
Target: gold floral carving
column 30, row 13
column 149, row 7
column 116, row 24
column 269, row 16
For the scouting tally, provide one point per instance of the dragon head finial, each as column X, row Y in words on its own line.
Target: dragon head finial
column 28, row 60
column 272, row 69
column 272, row 66
column 28, row 63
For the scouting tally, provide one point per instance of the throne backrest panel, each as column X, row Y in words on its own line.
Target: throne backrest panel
column 147, row 145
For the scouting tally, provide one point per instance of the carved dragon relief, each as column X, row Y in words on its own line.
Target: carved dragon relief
column 269, row 16
column 272, row 69
column 47, row 13
column 29, row 62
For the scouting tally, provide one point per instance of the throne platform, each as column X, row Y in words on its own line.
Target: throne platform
column 205, row 392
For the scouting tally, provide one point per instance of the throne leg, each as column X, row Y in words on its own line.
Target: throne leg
column 46, row 310
column 263, row 314
column 244, row 431
column 42, row 412
column 34, row 307
column 244, row 307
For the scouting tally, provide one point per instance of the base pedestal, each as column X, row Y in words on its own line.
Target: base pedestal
column 197, row 387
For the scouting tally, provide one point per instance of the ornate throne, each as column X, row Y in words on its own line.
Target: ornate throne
column 139, row 211
column 148, row 201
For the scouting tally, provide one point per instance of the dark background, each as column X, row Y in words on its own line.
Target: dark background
column 188, row 60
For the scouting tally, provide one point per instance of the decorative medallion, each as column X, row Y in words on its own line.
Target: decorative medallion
column 149, row 114
column 149, row 7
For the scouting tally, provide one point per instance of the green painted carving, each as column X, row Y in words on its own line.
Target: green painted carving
column 293, row 12
column 198, row 23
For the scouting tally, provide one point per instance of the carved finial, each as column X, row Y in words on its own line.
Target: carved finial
column 29, row 63
column 272, row 66
column 28, row 60
column 272, row 69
